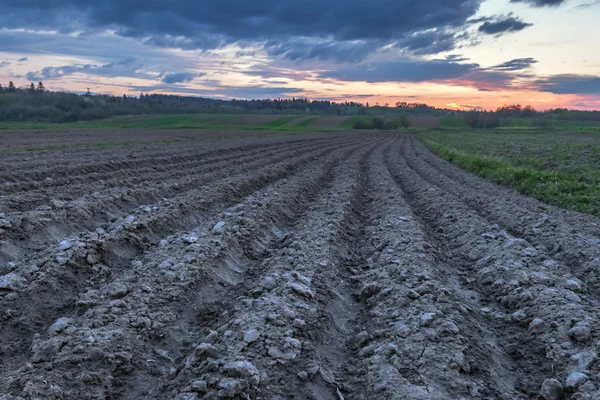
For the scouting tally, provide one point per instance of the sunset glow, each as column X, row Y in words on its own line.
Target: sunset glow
column 474, row 55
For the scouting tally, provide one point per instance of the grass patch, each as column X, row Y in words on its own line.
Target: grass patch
column 556, row 168
column 452, row 122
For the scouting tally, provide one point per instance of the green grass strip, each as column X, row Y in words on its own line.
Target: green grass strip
column 557, row 188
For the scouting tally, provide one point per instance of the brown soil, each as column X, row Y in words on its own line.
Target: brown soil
column 253, row 120
column 328, row 122
column 296, row 121
column 324, row 266
column 19, row 140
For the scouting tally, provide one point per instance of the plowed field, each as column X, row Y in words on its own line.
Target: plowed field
column 329, row 266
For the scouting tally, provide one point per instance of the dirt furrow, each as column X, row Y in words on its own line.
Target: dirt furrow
column 131, row 322
column 32, row 231
column 412, row 340
column 58, row 196
column 343, row 266
column 51, row 281
column 30, row 167
column 547, row 326
column 577, row 261
column 566, row 236
column 131, row 164
column 278, row 339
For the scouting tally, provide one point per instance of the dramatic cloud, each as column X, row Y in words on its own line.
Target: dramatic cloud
column 402, row 71
column 104, row 46
column 429, row 42
column 541, row 3
column 486, row 80
column 516, row 64
column 297, row 49
column 287, row 27
column 503, row 25
column 180, row 77
column 257, row 49
column 241, row 20
column 449, row 72
column 570, row 84
column 127, row 67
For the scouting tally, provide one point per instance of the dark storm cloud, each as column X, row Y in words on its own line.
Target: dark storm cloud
column 516, row 64
column 402, row 71
column 352, row 24
column 101, row 46
column 570, row 84
column 541, row 3
column 419, row 43
column 503, row 25
column 297, row 49
column 429, row 42
column 240, row 19
column 180, row 77
column 445, row 71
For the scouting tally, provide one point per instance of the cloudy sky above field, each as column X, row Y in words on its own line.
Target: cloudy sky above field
column 448, row 53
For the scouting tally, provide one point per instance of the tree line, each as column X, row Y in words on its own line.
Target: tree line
column 35, row 103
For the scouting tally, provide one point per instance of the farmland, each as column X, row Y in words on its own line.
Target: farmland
column 224, row 122
column 190, row 122
column 266, row 264
column 555, row 167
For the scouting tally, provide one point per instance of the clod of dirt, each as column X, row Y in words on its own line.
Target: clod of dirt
column 251, row 336
column 575, row 379
column 64, row 245
column 59, row 326
column 12, row 281
column 581, row 332
column 551, row 390
column 218, row 228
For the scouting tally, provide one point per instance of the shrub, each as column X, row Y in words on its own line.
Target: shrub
column 362, row 124
column 476, row 119
column 378, row 123
column 541, row 123
column 405, row 121
column 391, row 124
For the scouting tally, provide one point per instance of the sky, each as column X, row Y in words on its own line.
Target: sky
column 464, row 54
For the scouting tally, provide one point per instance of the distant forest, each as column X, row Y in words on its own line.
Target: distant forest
column 35, row 103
